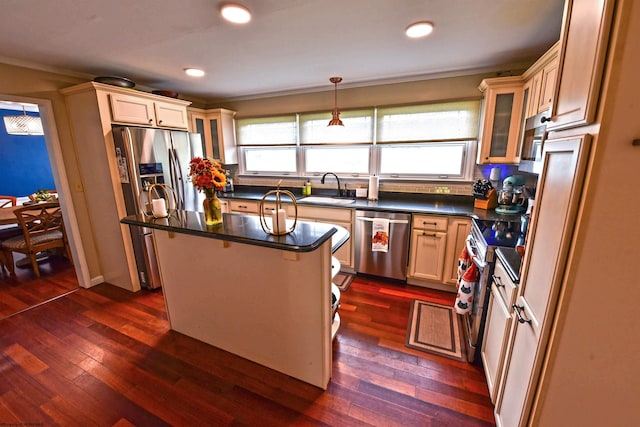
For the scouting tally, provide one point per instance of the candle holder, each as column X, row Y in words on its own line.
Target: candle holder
column 277, row 228
column 157, row 192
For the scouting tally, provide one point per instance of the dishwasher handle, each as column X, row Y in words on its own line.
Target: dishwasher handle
column 391, row 221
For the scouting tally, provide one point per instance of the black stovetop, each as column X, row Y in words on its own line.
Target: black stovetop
column 501, row 233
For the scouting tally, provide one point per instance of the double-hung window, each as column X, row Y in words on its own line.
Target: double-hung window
column 425, row 142
column 343, row 150
column 429, row 141
column 268, row 145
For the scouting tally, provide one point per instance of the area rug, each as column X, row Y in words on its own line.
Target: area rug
column 343, row 281
column 435, row 328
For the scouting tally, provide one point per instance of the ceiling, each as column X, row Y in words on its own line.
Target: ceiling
column 289, row 46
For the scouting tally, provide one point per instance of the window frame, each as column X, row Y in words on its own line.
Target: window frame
column 470, row 147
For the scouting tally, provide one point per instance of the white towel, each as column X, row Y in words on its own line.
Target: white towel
column 468, row 276
column 380, row 233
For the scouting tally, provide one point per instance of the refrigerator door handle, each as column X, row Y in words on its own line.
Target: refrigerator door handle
column 179, row 177
column 135, row 181
column 175, row 178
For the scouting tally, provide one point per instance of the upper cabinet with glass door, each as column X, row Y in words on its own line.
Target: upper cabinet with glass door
column 501, row 120
column 217, row 128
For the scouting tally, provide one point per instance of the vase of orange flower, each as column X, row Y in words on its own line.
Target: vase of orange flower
column 208, row 176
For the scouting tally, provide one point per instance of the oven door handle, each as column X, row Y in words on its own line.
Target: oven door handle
column 471, row 251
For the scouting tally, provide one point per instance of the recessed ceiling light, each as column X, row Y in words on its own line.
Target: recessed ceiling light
column 235, row 13
column 419, row 29
column 194, row 72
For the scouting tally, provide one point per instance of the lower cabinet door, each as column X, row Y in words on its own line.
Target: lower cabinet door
column 457, row 233
column 494, row 345
column 427, row 255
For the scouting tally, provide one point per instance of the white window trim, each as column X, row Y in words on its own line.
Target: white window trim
column 467, row 166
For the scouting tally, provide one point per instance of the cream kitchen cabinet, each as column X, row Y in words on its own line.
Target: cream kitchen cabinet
column 428, row 248
column 497, row 327
column 90, row 109
column 217, row 128
column 531, row 95
column 337, row 216
column 248, row 207
column 252, row 207
column 501, row 120
column 548, row 85
column 584, row 44
column 457, row 232
column 557, row 198
column 540, row 83
column 148, row 110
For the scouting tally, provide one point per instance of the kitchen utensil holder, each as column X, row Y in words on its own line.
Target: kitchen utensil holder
column 489, row 203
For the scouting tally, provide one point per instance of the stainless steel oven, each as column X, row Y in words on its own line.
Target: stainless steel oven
column 482, row 241
column 535, row 128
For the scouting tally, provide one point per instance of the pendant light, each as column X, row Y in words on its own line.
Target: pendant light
column 335, row 120
column 23, row 124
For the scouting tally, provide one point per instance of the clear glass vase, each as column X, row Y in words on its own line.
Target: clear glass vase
column 212, row 209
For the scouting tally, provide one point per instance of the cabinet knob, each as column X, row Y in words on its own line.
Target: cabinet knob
column 544, row 119
column 150, row 121
column 159, row 122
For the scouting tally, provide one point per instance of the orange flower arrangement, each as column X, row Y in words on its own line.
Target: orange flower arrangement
column 207, row 175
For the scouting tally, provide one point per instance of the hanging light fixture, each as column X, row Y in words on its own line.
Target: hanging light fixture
column 335, row 119
column 23, row 124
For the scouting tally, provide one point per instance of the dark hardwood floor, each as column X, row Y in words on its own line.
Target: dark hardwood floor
column 57, row 277
column 106, row 357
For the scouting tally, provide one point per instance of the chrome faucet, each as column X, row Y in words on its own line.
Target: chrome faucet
column 337, row 179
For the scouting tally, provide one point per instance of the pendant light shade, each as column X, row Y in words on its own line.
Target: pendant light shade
column 23, row 124
column 335, row 114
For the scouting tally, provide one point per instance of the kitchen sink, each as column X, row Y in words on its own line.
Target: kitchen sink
column 332, row 200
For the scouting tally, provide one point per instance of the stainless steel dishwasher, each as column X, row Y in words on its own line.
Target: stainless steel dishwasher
column 393, row 262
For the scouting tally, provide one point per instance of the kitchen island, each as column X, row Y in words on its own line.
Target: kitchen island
column 263, row 297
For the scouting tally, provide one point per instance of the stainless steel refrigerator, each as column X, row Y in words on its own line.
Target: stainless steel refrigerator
column 148, row 156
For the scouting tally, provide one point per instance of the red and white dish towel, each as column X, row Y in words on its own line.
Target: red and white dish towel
column 380, row 233
column 468, row 276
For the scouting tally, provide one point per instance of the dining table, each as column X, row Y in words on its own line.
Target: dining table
column 7, row 216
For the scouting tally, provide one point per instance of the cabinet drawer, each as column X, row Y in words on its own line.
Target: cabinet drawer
column 430, row 222
column 243, row 206
column 307, row 212
column 268, row 209
column 506, row 288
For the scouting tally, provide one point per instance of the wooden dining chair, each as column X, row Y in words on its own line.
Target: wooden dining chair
column 7, row 201
column 42, row 229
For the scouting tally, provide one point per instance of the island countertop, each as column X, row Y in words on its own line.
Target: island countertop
column 306, row 237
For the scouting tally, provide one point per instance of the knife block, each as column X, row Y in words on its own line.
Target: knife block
column 489, row 203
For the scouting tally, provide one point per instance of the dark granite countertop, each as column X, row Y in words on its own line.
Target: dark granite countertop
column 441, row 204
column 511, row 260
column 307, row 236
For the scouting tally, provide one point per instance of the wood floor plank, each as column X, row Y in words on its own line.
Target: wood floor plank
column 105, row 356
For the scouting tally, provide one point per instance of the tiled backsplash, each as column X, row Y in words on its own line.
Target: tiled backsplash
column 398, row 187
column 423, row 187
